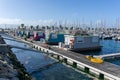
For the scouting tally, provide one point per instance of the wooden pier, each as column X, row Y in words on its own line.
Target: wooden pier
column 103, row 71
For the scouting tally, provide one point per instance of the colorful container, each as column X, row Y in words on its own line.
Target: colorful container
column 39, row 35
column 55, row 38
column 21, row 33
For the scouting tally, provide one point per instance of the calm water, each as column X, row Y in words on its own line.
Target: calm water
column 34, row 61
column 114, row 61
column 109, row 46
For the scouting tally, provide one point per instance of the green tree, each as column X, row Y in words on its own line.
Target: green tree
column 61, row 27
column 31, row 27
column 22, row 25
column 37, row 27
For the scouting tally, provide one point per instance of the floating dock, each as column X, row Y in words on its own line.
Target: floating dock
column 104, row 71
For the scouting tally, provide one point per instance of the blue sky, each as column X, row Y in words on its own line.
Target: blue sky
column 35, row 11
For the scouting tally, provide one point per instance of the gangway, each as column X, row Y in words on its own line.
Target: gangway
column 109, row 56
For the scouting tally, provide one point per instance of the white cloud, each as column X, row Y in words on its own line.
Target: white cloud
column 10, row 21
column 46, row 22
column 26, row 22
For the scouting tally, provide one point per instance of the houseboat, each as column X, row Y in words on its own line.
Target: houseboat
column 29, row 34
column 82, row 43
column 54, row 38
column 38, row 35
column 21, row 33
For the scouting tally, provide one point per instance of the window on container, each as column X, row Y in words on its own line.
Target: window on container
column 40, row 34
column 80, row 40
column 54, row 36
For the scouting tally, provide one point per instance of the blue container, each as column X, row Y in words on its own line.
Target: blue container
column 55, row 38
column 22, row 33
column 19, row 33
column 27, row 34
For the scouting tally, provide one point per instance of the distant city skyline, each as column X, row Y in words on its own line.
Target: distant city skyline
column 35, row 12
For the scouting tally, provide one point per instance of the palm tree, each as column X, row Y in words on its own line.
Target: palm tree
column 61, row 27
column 66, row 28
column 37, row 27
column 31, row 27
column 18, row 27
column 71, row 28
column 43, row 27
column 53, row 27
column 22, row 25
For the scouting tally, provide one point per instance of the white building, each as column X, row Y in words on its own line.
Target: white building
column 82, row 42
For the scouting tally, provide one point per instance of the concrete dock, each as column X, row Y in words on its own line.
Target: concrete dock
column 103, row 71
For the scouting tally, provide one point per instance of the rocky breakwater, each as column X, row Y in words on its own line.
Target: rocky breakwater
column 10, row 67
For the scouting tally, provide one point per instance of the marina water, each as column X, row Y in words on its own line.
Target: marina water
column 108, row 47
column 35, row 62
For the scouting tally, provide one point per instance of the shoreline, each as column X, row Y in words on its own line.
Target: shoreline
column 10, row 66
